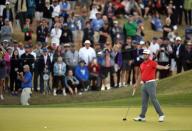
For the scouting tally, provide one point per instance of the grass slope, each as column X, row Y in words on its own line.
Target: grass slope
column 176, row 90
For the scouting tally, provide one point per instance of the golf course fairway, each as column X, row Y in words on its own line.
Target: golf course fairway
column 92, row 119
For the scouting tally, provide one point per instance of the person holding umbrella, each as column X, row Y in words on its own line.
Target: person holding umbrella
column 147, row 77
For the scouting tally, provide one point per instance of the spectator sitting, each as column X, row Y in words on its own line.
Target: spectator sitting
column 56, row 33
column 6, row 33
column 27, row 29
column 156, row 23
column 88, row 33
column 66, row 36
column 8, row 14
column 59, row 76
column 71, row 82
column 42, row 32
column 82, row 74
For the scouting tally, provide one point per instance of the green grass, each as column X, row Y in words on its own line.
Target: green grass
column 91, row 119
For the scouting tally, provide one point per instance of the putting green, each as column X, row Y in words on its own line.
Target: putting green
column 91, row 119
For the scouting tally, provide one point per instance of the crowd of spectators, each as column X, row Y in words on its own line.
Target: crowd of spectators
column 80, row 50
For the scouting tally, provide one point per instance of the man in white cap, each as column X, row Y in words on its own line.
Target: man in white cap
column 147, row 77
column 179, row 53
column 87, row 53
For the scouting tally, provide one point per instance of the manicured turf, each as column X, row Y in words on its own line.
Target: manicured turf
column 91, row 119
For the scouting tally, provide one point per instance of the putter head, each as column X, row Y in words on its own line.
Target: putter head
column 124, row 119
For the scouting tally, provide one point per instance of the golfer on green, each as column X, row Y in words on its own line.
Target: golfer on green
column 147, row 77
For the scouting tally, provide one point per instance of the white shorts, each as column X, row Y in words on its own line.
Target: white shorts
column 38, row 15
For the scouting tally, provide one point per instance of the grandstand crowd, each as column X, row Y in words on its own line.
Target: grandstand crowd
column 81, row 43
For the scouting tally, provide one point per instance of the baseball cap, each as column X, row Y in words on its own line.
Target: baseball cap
column 142, row 42
column 146, row 51
column 87, row 42
column 178, row 38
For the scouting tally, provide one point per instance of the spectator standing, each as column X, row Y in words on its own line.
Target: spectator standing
column 59, row 76
column 163, row 57
column 15, row 83
column 107, row 66
column 178, row 5
column 127, row 50
column 38, row 52
column 27, row 58
column 3, row 73
column 117, row 33
column 87, row 53
column 188, row 57
column 44, row 64
column 26, row 84
column 72, row 58
column 179, row 52
column 167, row 28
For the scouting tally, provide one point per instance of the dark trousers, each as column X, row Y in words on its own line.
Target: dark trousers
column 179, row 64
column 22, row 18
column 178, row 15
column 163, row 73
column 84, row 84
column 58, row 79
column 15, row 84
column 188, row 17
column 35, row 80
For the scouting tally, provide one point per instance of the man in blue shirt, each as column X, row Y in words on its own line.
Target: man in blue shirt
column 26, row 85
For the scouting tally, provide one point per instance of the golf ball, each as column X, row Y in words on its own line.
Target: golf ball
column 45, row 127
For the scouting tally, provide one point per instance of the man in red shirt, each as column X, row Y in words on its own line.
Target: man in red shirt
column 147, row 77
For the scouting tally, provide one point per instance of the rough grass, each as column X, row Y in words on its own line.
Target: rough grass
column 176, row 90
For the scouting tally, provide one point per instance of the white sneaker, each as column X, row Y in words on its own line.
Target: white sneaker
column 54, row 92
column 102, row 88
column 64, row 93
column 161, row 118
column 80, row 93
column 1, row 97
column 139, row 119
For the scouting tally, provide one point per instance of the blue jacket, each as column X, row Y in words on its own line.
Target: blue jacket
column 27, row 80
column 56, row 69
column 82, row 73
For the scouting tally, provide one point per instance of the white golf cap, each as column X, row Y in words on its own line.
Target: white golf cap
column 146, row 51
column 142, row 42
column 178, row 38
column 7, row 3
column 115, row 22
column 87, row 42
